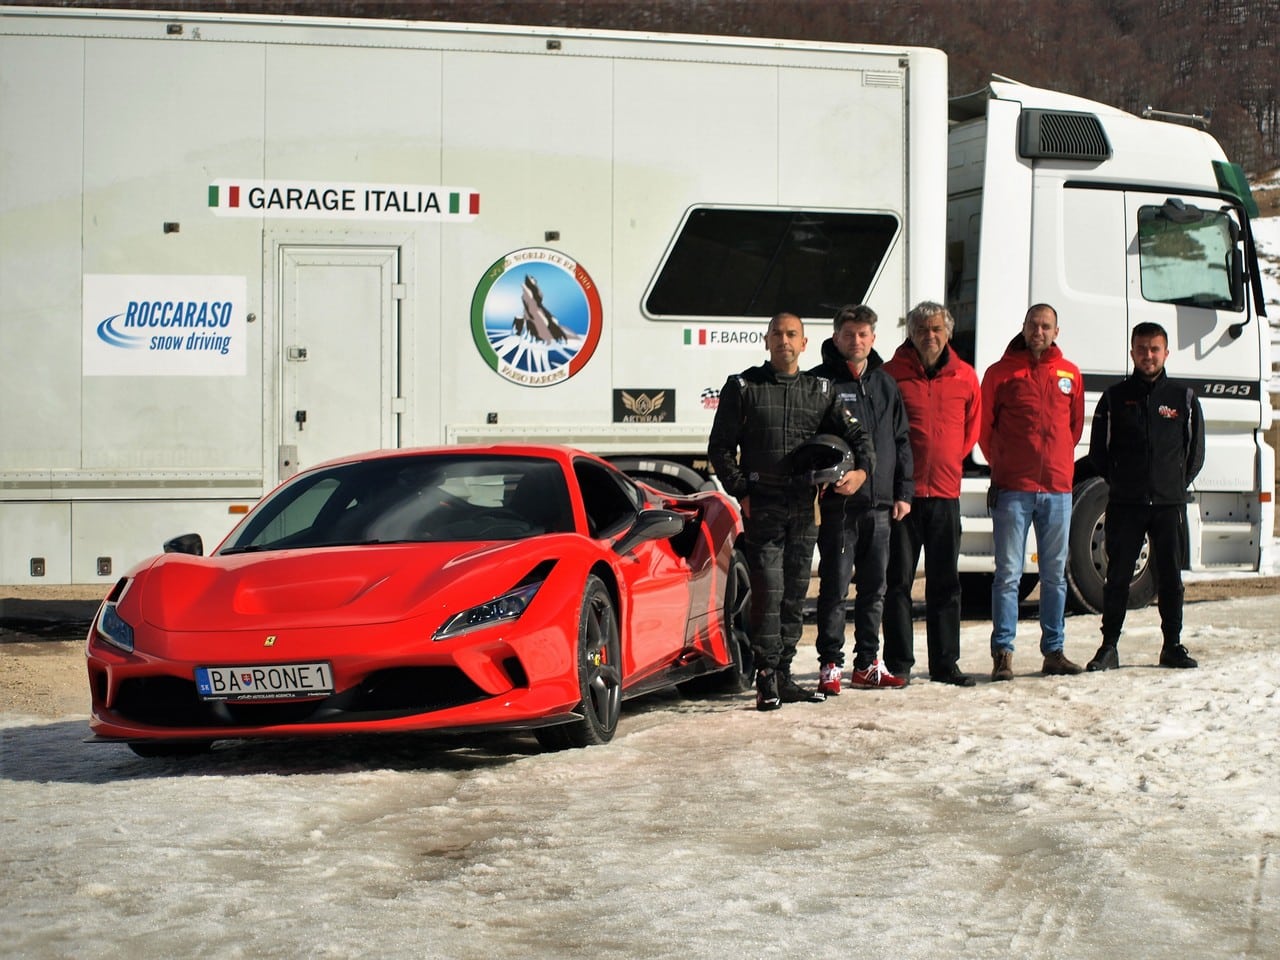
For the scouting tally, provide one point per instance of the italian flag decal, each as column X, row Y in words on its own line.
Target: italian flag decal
column 736, row 335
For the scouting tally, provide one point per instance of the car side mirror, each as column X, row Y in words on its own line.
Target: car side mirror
column 651, row 525
column 187, row 543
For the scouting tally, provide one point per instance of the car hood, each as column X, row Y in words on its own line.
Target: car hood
column 334, row 586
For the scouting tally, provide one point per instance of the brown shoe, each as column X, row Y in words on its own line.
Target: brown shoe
column 1002, row 666
column 1056, row 664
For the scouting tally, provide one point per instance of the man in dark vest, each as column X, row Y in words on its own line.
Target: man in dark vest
column 853, row 536
column 1148, row 444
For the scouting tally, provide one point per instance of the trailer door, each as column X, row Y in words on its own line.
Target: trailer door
column 339, row 352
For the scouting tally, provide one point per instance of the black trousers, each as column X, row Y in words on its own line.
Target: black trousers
column 853, row 544
column 1126, row 525
column 934, row 526
column 778, row 538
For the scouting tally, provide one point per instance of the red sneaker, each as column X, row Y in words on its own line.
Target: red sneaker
column 829, row 679
column 875, row 677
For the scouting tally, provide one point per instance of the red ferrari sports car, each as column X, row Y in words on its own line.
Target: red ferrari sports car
column 460, row 588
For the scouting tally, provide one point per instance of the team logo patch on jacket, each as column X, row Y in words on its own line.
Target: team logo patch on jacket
column 1167, row 412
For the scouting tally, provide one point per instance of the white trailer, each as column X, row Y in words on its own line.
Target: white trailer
column 231, row 245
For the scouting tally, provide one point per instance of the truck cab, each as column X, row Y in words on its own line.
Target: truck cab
column 1115, row 220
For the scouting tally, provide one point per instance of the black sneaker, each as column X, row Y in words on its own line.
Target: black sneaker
column 955, row 676
column 791, row 692
column 767, row 690
column 1175, row 655
column 1107, row 658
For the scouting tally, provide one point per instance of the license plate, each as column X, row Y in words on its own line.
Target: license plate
column 279, row 681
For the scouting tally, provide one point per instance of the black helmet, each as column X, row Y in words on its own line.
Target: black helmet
column 823, row 458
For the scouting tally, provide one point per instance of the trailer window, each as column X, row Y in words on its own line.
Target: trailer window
column 756, row 263
column 1188, row 256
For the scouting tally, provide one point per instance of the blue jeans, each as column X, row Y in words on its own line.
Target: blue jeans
column 1014, row 514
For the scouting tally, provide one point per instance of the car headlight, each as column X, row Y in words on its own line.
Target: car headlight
column 509, row 606
column 112, row 628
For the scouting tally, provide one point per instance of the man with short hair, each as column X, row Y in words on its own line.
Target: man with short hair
column 766, row 414
column 1147, row 442
column 943, row 404
column 853, row 534
column 1032, row 419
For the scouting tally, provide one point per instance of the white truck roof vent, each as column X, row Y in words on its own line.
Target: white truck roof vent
column 1061, row 135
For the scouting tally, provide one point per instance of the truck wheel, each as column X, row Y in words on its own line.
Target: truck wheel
column 1087, row 553
column 975, row 592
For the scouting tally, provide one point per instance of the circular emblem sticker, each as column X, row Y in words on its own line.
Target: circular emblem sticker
column 1065, row 384
column 536, row 317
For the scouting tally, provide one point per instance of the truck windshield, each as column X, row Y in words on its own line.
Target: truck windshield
column 756, row 263
column 1188, row 258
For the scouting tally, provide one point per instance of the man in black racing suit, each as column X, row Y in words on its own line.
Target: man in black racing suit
column 765, row 413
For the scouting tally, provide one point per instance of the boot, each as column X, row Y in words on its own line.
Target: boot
column 1107, row 658
column 767, row 690
column 1056, row 664
column 1175, row 655
column 791, row 692
column 1002, row 665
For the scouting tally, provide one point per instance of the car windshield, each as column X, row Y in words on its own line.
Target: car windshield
column 444, row 497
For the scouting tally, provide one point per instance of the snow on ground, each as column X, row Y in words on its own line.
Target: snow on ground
column 1125, row 814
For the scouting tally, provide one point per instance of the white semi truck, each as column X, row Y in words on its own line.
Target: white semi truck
column 232, row 245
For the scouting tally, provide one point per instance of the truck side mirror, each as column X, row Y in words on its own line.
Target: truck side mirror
column 1235, row 264
column 1175, row 211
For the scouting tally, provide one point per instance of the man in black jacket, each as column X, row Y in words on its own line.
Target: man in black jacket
column 1148, row 444
column 765, row 414
column 853, row 535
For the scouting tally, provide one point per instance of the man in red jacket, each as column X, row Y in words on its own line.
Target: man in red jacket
column 941, row 394
column 1032, row 419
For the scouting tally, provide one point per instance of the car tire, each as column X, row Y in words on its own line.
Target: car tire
column 739, row 676
column 599, row 674
column 1087, row 553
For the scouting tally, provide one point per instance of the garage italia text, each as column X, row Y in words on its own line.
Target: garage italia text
column 180, row 316
column 344, row 200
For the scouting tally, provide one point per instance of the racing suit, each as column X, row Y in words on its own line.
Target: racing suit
column 762, row 418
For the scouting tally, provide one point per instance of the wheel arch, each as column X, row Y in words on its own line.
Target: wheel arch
column 609, row 577
column 1087, row 556
column 665, row 474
